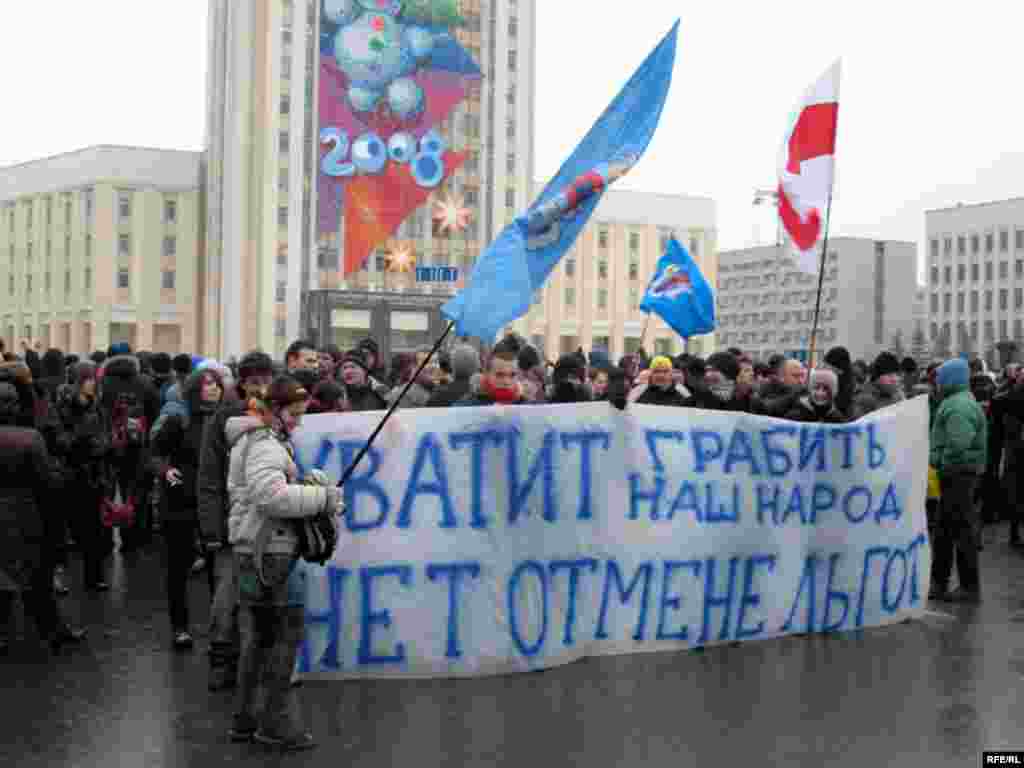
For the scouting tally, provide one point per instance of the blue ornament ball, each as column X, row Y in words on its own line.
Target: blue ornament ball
column 432, row 143
column 369, row 154
column 428, row 169
column 402, row 147
column 405, row 97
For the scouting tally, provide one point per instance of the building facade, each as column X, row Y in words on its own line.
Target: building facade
column 766, row 305
column 100, row 246
column 592, row 298
column 263, row 253
column 975, row 274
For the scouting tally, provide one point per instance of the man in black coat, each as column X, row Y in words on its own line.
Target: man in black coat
column 28, row 549
column 787, row 385
column 255, row 373
column 364, row 393
column 569, row 381
column 465, row 365
column 125, row 393
column 718, row 390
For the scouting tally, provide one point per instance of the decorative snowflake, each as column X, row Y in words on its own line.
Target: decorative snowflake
column 400, row 258
column 451, row 215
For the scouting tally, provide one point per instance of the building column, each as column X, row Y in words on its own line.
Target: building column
column 143, row 334
column 237, row 149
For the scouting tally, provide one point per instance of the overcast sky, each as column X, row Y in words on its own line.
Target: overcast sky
column 931, row 111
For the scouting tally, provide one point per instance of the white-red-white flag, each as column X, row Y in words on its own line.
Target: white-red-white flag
column 806, row 167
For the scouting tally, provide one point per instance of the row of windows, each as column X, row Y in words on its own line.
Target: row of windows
column 975, row 242
column 569, row 298
column 776, row 318
column 961, row 301
column 167, row 281
column 768, row 298
column 961, row 272
column 965, row 331
column 771, row 279
column 124, row 209
column 771, row 338
column 766, row 265
column 602, row 268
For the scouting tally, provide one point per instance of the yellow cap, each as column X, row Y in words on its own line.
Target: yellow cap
column 661, row 362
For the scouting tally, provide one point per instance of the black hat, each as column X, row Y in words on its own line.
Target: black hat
column 569, row 365
column 370, row 345
column 529, row 358
column 506, row 346
column 161, row 364
column 182, row 364
column 909, row 365
column 839, row 358
column 356, row 356
column 884, row 364
column 253, row 364
column 726, row 363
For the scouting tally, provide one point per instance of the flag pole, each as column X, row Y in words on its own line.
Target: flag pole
column 643, row 333
column 394, row 406
column 821, row 281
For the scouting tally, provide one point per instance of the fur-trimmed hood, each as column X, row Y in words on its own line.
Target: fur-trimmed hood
column 122, row 367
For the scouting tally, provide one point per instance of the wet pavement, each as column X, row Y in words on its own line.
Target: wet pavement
column 934, row 692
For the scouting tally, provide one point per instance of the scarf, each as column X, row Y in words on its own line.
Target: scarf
column 501, row 395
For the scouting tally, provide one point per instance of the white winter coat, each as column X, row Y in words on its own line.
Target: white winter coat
column 263, row 489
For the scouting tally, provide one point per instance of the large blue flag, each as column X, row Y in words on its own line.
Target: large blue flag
column 679, row 294
column 513, row 267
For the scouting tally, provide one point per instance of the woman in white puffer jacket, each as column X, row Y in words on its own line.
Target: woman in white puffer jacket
column 265, row 497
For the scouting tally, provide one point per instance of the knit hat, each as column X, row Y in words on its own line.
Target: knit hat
column 161, row 364
column 600, row 360
column 884, row 364
column 661, row 363
column 356, row 357
column 182, row 364
column 725, row 363
column 953, row 373
column 528, row 358
column 465, row 361
column 53, row 363
column 839, row 358
column 505, row 346
column 569, row 365
column 369, row 345
column 255, row 363
column 825, row 376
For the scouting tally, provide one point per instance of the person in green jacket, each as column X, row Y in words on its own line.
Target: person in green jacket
column 959, row 453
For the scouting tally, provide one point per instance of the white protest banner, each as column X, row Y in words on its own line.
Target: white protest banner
column 505, row 539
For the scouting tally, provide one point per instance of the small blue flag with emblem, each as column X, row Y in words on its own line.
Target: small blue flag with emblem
column 514, row 267
column 679, row 294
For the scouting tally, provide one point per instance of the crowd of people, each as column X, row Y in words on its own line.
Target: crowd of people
column 199, row 450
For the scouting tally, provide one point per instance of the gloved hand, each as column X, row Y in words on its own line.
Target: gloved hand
column 617, row 390
column 335, row 501
column 317, row 477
